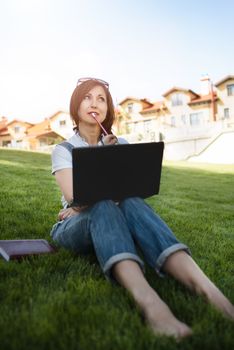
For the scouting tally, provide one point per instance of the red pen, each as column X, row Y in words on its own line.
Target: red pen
column 104, row 130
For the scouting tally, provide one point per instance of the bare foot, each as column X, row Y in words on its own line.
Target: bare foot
column 163, row 322
column 220, row 302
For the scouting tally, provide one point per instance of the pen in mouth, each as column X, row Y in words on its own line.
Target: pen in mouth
column 94, row 117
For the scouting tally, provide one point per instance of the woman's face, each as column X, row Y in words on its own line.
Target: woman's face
column 94, row 101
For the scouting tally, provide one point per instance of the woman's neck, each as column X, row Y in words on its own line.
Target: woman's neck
column 90, row 134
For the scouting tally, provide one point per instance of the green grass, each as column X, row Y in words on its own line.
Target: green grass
column 62, row 301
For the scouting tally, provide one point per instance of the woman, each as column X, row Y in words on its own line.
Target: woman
column 112, row 230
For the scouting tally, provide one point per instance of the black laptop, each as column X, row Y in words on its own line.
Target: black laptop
column 116, row 172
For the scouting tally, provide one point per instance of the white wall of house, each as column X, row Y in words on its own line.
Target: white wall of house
column 132, row 107
column 20, row 144
column 62, row 124
column 225, row 104
column 185, row 114
column 144, row 127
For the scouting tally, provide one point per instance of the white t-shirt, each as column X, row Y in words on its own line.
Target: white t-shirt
column 62, row 158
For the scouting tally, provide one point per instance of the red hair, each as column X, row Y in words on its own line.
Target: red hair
column 78, row 96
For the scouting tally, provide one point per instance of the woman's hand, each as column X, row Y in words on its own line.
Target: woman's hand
column 110, row 139
column 69, row 212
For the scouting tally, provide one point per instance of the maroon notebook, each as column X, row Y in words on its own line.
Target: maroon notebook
column 18, row 249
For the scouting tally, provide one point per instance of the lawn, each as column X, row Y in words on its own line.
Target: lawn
column 62, row 301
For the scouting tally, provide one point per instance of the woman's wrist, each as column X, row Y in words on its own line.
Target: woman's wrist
column 70, row 203
column 76, row 209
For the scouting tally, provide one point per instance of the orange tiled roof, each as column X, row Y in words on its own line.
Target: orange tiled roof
column 20, row 122
column 176, row 88
column 56, row 114
column 155, row 107
column 145, row 100
column 51, row 133
column 4, row 132
column 129, row 98
column 39, row 128
column 203, row 99
column 142, row 100
column 42, row 129
column 228, row 77
column 4, row 125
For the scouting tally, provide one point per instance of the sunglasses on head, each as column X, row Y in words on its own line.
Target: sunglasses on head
column 83, row 80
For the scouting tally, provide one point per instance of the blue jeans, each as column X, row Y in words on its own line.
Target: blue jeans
column 114, row 231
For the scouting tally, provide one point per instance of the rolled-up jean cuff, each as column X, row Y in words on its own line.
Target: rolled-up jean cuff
column 117, row 258
column 166, row 253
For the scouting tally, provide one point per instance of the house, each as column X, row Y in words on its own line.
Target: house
column 181, row 113
column 12, row 134
column 187, row 113
column 4, row 134
column 50, row 131
column 130, row 113
column 185, row 120
column 225, row 95
column 19, row 134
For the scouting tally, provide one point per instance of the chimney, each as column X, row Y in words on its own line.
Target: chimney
column 3, row 122
column 205, row 85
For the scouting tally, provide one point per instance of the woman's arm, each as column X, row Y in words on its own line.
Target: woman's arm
column 64, row 180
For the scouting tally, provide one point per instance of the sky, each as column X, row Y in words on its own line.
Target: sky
column 141, row 47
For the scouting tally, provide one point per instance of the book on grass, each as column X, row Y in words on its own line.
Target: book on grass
column 18, row 249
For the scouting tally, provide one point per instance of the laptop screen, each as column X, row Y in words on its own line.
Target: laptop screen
column 116, row 172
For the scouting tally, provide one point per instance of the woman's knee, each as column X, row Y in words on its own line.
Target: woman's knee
column 104, row 206
column 131, row 202
column 106, row 213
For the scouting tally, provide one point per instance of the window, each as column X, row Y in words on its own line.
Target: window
column 6, row 143
column 62, row 123
column 152, row 136
column 226, row 113
column 43, row 142
column 130, row 107
column 230, row 90
column 183, row 119
column 147, row 125
column 17, row 129
column 173, row 121
column 177, row 99
column 195, row 118
column 134, row 127
column 161, row 136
